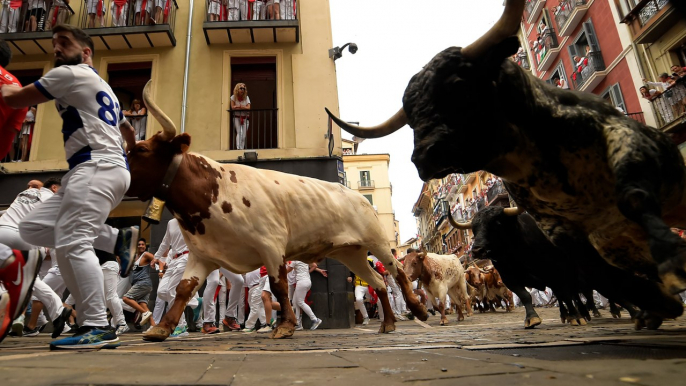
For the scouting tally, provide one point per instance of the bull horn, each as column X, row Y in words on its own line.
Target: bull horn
column 516, row 211
column 505, row 27
column 392, row 125
column 168, row 127
column 459, row 225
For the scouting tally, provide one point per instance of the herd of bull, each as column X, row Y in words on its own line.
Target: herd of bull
column 601, row 193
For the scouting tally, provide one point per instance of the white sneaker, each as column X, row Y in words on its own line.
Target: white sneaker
column 400, row 317
column 299, row 327
column 122, row 329
column 264, row 329
column 145, row 317
column 365, row 321
column 316, row 324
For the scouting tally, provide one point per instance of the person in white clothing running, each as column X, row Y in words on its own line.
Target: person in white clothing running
column 303, row 283
column 73, row 220
column 230, row 319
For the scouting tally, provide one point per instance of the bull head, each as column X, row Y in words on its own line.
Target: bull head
column 149, row 159
column 464, row 78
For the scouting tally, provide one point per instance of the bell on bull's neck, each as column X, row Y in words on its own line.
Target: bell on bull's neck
column 153, row 213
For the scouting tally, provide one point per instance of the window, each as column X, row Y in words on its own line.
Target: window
column 613, row 96
column 586, row 55
column 255, row 128
column 625, row 6
column 558, row 77
column 365, row 178
column 127, row 81
column 21, row 147
column 369, row 198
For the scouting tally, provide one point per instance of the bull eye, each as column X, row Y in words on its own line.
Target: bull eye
column 142, row 149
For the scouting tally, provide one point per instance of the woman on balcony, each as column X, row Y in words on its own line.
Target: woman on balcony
column 138, row 117
column 240, row 106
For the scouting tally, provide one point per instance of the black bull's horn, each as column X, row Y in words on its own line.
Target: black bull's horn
column 505, row 27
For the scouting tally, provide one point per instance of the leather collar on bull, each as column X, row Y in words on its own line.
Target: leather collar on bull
column 153, row 213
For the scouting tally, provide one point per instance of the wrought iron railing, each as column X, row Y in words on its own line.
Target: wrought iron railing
column 522, row 60
column 253, row 129
column 637, row 117
column 33, row 17
column 546, row 42
column 585, row 70
column 441, row 211
column 218, row 10
column 123, row 13
column 565, row 10
column 670, row 105
column 365, row 184
column 529, row 8
column 494, row 191
column 650, row 9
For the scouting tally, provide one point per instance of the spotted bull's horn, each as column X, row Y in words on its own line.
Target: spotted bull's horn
column 459, row 225
column 168, row 127
column 505, row 27
column 516, row 211
column 392, row 125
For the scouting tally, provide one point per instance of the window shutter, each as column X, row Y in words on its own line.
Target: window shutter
column 591, row 36
column 617, row 98
column 572, row 51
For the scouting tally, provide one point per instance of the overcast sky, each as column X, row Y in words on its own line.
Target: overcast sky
column 396, row 38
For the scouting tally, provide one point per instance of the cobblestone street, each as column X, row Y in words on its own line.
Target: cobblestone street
column 485, row 349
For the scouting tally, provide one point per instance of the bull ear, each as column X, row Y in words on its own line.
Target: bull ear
column 421, row 255
column 182, row 142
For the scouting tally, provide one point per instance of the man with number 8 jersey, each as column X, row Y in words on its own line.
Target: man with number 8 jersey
column 73, row 220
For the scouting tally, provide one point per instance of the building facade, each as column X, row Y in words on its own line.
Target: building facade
column 580, row 45
column 196, row 54
column 368, row 175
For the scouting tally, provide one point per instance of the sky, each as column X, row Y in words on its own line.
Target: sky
column 395, row 39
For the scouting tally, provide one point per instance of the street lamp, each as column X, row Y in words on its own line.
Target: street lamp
column 337, row 52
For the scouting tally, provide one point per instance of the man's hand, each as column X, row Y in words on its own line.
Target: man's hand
column 129, row 134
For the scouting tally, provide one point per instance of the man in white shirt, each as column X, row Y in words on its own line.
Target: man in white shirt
column 73, row 220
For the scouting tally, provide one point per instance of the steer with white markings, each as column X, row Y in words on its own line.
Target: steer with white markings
column 240, row 218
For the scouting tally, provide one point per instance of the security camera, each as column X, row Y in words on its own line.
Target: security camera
column 352, row 48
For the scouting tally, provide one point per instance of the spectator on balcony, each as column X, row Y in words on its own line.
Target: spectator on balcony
column 120, row 11
column 240, row 106
column 58, row 14
column 10, row 15
column 95, row 8
column 215, row 9
column 233, row 10
column 137, row 116
column 159, row 6
column 580, row 62
column 36, row 15
column 26, row 132
column 273, row 10
column 648, row 94
column 287, row 9
column 665, row 81
column 143, row 11
column 678, row 71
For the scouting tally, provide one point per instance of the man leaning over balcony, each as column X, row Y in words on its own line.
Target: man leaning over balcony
column 10, row 15
column 58, row 14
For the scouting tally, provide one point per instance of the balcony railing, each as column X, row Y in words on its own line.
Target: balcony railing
column 670, row 105
column 113, row 15
column 531, row 9
column 253, row 129
column 494, row 191
column 650, row 9
column 545, row 50
column 593, row 63
column 522, row 60
column 365, row 184
column 441, row 211
column 30, row 20
column 251, row 22
column 567, row 13
column 637, row 117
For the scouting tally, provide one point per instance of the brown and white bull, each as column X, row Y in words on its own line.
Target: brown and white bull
column 241, row 218
column 496, row 291
column 475, row 280
column 440, row 275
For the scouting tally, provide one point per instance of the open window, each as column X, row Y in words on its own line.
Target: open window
column 613, row 96
column 21, row 147
column 127, row 80
column 253, row 120
column 558, row 77
column 586, row 55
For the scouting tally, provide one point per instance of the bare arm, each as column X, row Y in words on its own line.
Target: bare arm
column 17, row 97
column 129, row 135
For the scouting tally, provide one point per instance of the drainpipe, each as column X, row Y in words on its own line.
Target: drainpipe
column 185, row 70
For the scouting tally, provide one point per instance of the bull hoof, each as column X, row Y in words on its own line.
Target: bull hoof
column 444, row 321
column 582, row 321
column 282, row 332
column 573, row 322
column 156, row 334
column 616, row 315
column 532, row 322
column 421, row 314
column 673, row 273
column 596, row 314
column 386, row 328
column 460, row 318
column 647, row 320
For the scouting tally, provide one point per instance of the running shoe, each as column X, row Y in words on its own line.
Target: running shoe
column 230, row 324
column 122, row 328
column 365, row 321
column 179, row 332
column 299, row 327
column 59, row 324
column 125, row 248
column 145, row 317
column 18, row 326
column 209, row 328
column 5, row 317
column 249, row 330
column 88, row 338
column 265, row 329
column 316, row 324
column 29, row 332
column 18, row 278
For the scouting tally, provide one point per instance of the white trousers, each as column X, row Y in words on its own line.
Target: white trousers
column 396, row 296
column 233, row 14
column 257, row 10
column 9, row 19
column 301, row 288
column 360, row 293
column 241, row 130
column 209, row 307
column 119, row 15
column 256, row 307
column 110, row 272
column 73, row 222
column 166, row 290
column 158, row 312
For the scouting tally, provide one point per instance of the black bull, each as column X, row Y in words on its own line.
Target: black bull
column 595, row 181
